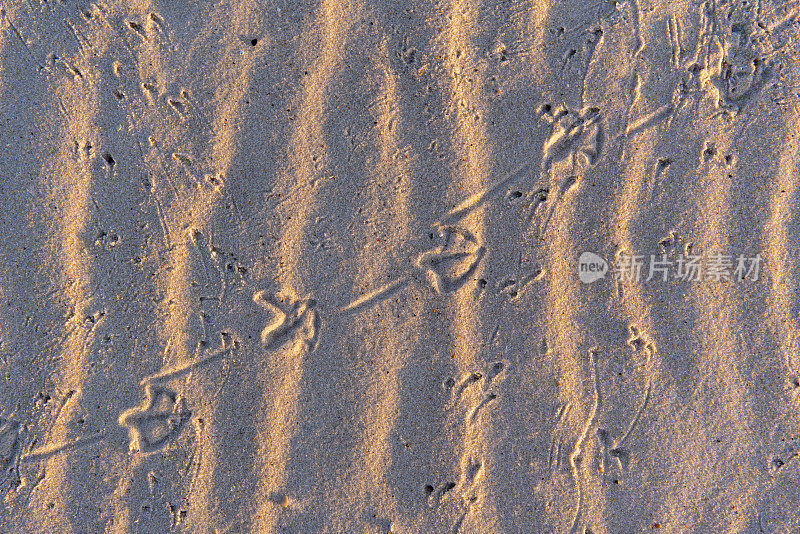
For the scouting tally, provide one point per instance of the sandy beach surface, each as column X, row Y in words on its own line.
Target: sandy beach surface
column 370, row 266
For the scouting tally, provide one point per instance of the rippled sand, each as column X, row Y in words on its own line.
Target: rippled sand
column 313, row 267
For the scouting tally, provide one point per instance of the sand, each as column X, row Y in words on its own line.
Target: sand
column 318, row 267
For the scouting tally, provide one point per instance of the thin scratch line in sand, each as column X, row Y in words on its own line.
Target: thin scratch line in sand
column 645, row 121
column 480, row 197
column 191, row 366
column 638, row 415
column 377, row 294
column 649, row 351
column 555, row 448
column 14, row 28
column 197, row 455
column 573, row 458
column 50, row 450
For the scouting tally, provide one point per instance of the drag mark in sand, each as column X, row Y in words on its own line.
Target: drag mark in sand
column 575, row 458
column 42, row 453
column 168, row 374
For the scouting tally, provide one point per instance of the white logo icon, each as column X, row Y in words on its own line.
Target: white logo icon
column 591, row 267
